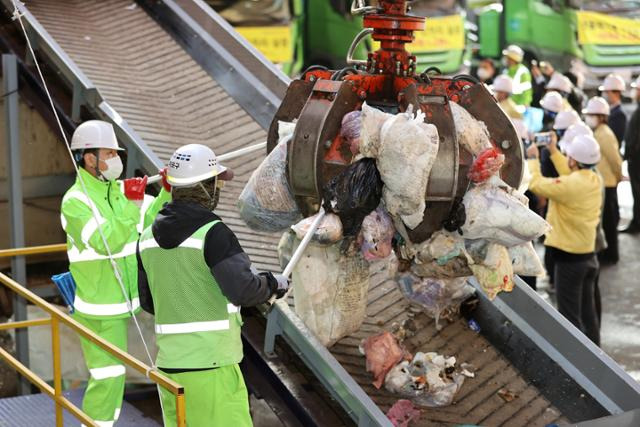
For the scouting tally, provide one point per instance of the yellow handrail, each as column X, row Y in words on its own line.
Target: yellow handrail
column 55, row 392
column 33, row 250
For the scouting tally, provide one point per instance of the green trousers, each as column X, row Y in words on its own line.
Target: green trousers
column 213, row 398
column 103, row 397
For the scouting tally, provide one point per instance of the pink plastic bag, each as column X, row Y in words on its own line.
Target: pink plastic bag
column 376, row 234
column 402, row 413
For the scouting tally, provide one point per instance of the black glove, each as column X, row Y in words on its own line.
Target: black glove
column 278, row 284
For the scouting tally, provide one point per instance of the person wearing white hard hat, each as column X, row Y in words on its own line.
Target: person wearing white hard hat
column 563, row 120
column 551, row 104
column 611, row 170
column 612, row 89
column 572, row 131
column 522, row 89
column 575, row 200
column 194, row 276
column 632, row 156
column 502, row 88
column 562, row 85
column 98, row 206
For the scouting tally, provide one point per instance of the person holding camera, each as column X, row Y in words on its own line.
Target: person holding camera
column 575, row 200
column 596, row 116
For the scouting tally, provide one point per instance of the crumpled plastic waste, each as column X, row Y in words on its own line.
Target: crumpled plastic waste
column 383, row 353
column 472, row 134
column 487, row 164
column 376, row 235
column 442, row 247
column 429, row 380
column 495, row 274
column 353, row 194
column 436, row 297
column 498, row 215
column 350, row 130
column 372, row 121
column 266, row 202
column 407, row 151
column 330, row 289
column 455, row 267
column 525, row 260
column 328, row 232
column 402, row 413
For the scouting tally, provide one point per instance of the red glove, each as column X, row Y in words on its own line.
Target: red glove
column 134, row 188
column 165, row 183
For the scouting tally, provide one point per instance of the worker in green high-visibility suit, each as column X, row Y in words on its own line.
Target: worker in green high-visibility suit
column 193, row 275
column 119, row 210
column 522, row 93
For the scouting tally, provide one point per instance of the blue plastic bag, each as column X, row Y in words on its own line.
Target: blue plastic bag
column 67, row 288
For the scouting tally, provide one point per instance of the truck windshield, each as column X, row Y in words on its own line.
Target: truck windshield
column 435, row 7
column 253, row 12
column 624, row 7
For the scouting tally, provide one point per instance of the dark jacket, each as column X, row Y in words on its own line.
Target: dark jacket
column 618, row 122
column 229, row 264
column 632, row 138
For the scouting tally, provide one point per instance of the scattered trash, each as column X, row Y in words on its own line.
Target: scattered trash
column 487, row 164
column 468, row 370
column 376, row 235
column 328, row 232
column 350, row 130
column 455, row 267
column 472, row 134
column 474, row 326
column 495, row 274
column 330, row 289
column 507, row 395
column 383, row 353
column 402, row 413
column 266, row 202
column 353, row 194
column 525, row 260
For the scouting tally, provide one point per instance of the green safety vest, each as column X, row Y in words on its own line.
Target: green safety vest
column 522, row 89
column 196, row 326
column 98, row 293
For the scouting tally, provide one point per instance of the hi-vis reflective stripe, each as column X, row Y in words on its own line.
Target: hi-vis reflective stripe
column 147, row 201
column 518, row 86
column 89, row 254
column 78, row 195
column 189, row 243
column 104, row 309
column 117, row 414
column 107, row 372
column 185, row 328
column 63, row 221
column 232, row 308
column 104, row 423
column 90, row 227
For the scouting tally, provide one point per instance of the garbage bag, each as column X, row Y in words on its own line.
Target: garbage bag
column 487, row 164
column 525, row 260
column 353, row 194
column 402, row 413
column 328, row 232
column 429, row 379
column 455, row 267
column 435, row 296
column 372, row 121
column 350, row 130
column 330, row 290
column 266, row 202
column 408, row 149
column 285, row 247
column 383, row 352
column 495, row 274
column 472, row 134
column 442, row 246
column 376, row 235
column 500, row 216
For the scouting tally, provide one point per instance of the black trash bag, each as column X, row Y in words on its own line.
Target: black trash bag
column 353, row 194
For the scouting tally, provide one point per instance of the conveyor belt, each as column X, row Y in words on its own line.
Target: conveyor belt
column 170, row 100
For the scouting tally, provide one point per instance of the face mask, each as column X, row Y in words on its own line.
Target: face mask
column 114, row 168
column 560, row 133
column 484, row 74
column 592, row 121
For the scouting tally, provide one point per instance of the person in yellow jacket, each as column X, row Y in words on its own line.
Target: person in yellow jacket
column 596, row 116
column 575, row 200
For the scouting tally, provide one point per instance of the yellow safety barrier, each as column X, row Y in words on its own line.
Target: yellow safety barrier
column 57, row 317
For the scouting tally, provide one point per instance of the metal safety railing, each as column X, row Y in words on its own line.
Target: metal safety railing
column 56, row 317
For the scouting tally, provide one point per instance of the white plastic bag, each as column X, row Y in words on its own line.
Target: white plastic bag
column 472, row 134
column 525, row 260
column 330, row 291
column 372, row 121
column 328, row 232
column 376, row 235
column 408, row 149
column 266, row 202
column 500, row 216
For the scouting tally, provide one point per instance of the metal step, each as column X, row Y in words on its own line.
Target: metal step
column 37, row 410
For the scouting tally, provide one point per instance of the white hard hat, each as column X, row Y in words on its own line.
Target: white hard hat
column 613, row 82
column 502, row 83
column 94, row 134
column 636, row 84
column 514, row 52
column 559, row 82
column 584, row 149
column 572, row 131
column 564, row 119
column 597, row 105
column 552, row 101
column 191, row 164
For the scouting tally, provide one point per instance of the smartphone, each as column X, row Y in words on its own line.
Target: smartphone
column 542, row 138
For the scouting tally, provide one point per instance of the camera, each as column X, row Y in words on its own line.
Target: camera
column 542, row 138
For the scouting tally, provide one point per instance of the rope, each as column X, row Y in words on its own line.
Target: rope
column 116, row 271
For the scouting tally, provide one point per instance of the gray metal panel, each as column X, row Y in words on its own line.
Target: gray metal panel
column 40, row 186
